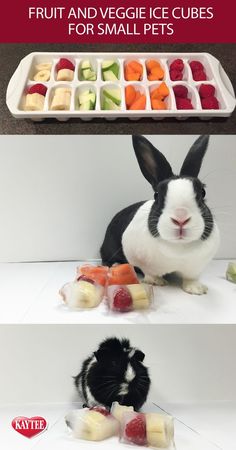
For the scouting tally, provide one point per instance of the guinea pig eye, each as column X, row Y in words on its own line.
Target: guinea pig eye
column 155, row 195
column 203, row 193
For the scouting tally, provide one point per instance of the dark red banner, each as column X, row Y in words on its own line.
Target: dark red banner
column 107, row 21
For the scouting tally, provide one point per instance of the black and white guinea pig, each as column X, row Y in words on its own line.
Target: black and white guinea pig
column 115, row 372
column 175, row 232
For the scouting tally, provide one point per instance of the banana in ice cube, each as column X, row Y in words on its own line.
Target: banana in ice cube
column 34, row 102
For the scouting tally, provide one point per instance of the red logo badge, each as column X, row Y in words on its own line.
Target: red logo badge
column 29, row 426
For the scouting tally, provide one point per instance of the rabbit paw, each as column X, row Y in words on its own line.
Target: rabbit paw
column 194, row 287
column 157, row 281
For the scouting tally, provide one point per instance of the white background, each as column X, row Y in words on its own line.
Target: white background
column 58, row 193
column 188, row 364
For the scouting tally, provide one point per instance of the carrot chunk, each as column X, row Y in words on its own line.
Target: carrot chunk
column 136, row 66
column 130, row 95
column 163, row 89
column 151, row 64
column 158, row 104
column 122, row 274
column 158, row 72
column 139, row 104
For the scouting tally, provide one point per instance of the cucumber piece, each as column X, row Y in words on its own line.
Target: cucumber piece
column 110, row 66
column 109, row 76
column 85, row 93
column 87, row 96
column 115, row 69
column 86, row 106
column 113, row 94
column 93, row 78
column 87, row 73
column 92, row 97
column 86, row 65
column 109, row 105
column 106, row 65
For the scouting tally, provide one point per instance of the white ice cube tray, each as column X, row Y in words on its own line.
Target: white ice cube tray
column 23, row 78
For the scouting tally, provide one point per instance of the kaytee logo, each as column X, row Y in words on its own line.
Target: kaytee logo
column 29, row 426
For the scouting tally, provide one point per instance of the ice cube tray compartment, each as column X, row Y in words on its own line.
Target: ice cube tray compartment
column 23, row 78
column 218, row 93
column 169, row 101
column 187, row 74
column 78, row 71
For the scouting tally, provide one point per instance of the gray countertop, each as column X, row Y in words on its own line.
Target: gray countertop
column 11, row 54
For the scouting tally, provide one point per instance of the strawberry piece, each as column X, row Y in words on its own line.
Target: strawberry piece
column 135, row 430
column 64, row 63
column 37, row 89
column 177, row 64
column 183, row 103
column 122, row 300
column 210, row 103
column 84, row 278
column 180, row 91
column 101, row 410
column 176, row 75
column 199, row 75
column 206, row 90
column 196, row 65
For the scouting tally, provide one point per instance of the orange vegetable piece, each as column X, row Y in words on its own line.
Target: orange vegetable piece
column 152, row 77
column 151, row 64
column 136, row 67
column 130, row 75
column 122, row 274
column 140, row 103
column 133, row 77
column 158, row 72
column 130, row 95
column 97, row 273
column 163, row 89
column 158, row 104
column 155, row 94
column 137, row 95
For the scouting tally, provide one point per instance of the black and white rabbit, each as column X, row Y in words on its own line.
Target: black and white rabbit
column 175, row 232
column 115, row 372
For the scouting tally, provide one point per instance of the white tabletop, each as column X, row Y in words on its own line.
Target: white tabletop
column 29, row 294
column 197, row 427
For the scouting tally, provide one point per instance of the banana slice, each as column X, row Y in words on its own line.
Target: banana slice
column 34, row 102
column 43, row 66
column 139, row 296
column 118, row 410
column 63, row 90
column 65, row 75
column 94, row 426
column 81, row 294
column 101, row 427
column 61, row 99
column 158, row 432
column 42, row 75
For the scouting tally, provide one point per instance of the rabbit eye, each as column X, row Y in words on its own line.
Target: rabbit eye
column 155, row 195
column 203, row 193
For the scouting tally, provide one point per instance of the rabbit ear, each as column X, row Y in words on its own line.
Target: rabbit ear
column 152, row 163
column 193, row 161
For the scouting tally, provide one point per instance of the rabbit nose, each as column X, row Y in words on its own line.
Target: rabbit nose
column 180, row 222
column 181, row 217
column 181, row 213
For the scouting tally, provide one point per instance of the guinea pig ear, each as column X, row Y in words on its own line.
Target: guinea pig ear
column 139, row 356
column 101, row 354
column 153, row 164
column 193, row 161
